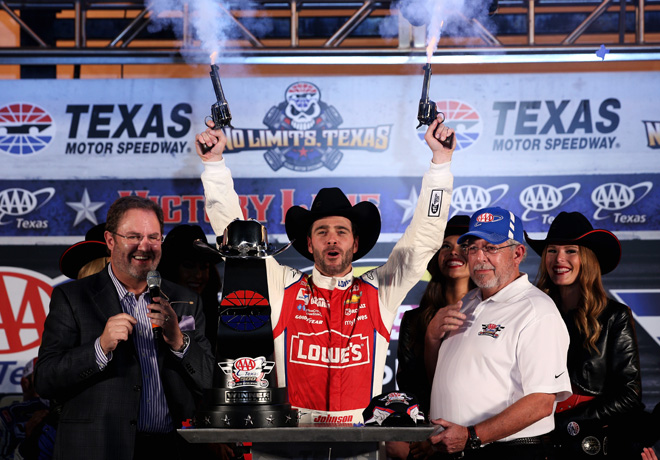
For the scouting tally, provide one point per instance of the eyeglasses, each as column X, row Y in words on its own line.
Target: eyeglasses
column 472, row 250
column 155, row 240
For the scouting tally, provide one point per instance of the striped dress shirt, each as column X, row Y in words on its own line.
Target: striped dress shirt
column 154, row 416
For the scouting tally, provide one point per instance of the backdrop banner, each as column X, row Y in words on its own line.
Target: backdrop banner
column 61, row 211
column 536, row 144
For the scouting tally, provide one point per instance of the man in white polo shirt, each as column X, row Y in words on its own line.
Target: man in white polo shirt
column 502, row 364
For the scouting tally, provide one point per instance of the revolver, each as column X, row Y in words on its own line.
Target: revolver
column 428, row 111
column 220, row 113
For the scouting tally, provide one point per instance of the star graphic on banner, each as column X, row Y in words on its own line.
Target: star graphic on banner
column 408, row 205
column 85, row 208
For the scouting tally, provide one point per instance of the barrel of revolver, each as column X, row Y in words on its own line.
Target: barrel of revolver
column 220, row 112
column 426, row 112
column 426, row 87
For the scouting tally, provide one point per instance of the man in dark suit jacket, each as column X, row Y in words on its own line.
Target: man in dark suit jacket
column 123, row 392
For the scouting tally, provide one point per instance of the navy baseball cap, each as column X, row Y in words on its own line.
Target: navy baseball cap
column 495, row 225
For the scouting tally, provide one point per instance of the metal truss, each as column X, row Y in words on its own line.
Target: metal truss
column 120, row 32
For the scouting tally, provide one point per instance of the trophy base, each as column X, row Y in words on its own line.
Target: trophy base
column 246, row 396
column 247, row 416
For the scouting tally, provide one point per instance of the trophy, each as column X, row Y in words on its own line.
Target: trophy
column 245, row 392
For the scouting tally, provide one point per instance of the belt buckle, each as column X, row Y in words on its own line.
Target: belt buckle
column 591, row 445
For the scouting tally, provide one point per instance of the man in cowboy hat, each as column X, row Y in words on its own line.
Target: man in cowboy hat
column 502, row 363
column 331, row 329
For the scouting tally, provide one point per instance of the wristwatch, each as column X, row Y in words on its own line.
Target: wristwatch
column 186, row 342
column 473, row 441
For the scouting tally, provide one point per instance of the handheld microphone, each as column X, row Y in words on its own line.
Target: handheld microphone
column 153, row 283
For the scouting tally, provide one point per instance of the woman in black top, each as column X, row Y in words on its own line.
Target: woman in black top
column 603, row 358
column 450, row 281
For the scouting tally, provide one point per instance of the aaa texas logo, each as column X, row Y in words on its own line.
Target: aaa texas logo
column 304, row 133
column 24, row 129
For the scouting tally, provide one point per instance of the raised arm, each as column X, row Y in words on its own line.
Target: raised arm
column 423, row 237
column 222, row 202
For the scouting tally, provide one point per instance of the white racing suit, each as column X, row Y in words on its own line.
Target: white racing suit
column 332, row 334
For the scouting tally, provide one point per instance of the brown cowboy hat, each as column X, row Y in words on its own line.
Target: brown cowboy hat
column 333, row 202
column 81, row 253
column 574, row 228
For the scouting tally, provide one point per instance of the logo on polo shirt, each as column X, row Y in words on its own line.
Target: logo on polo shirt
column 491, row 330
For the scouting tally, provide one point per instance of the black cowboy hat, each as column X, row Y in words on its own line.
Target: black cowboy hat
column 457, row 225
column 574, row 228
column 186, row 242
column 332, row 202
column 81, row 253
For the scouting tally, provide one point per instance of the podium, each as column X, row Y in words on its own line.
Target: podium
column 311, row 441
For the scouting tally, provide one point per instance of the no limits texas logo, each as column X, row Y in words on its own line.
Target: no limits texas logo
column 652, row 133
column 304, row 133
column 24, row 129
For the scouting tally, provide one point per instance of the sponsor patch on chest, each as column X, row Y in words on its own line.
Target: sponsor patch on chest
column 329, row 349
column 491, row 330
